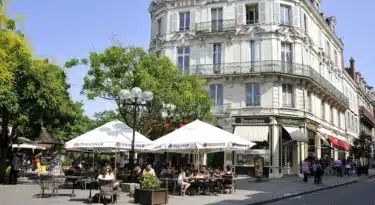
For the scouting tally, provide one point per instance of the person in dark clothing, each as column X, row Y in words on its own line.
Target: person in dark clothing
column 15, row 167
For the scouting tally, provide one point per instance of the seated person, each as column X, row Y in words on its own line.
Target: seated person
column 164, row 171
column 74, row 170
column 217, row 173
column 148, row 171
column 228, row 170
column 203, row 173
column 106, row 174
column 181, row 180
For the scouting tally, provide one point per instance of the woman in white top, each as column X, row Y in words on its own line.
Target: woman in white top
column 106, row 173
column 181, row 180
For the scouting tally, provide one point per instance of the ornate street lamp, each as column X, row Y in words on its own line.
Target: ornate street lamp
column 135, row 97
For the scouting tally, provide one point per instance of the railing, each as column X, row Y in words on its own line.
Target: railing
column 221, row 109
column 368, row 96
column 365, row 112
column 279, row 67
column 216, row 26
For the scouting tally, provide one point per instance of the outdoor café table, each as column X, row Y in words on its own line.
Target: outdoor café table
column 74, row 180
column 90, row 182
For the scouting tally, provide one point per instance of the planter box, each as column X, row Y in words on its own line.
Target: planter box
column 150, row 197
column 362, row 170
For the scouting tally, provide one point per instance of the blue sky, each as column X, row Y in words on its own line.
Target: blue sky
column 64, row 29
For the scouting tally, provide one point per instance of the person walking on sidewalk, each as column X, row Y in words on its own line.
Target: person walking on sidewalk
column 305, row 170
column 318, row 171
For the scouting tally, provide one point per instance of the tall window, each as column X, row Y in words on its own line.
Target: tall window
column 252, row 53
column 309, row 102
column 183, row 59
column 332, row 114
column 285, row 15
column 159, row 27
column 216, row 93
column 286, row 57
column 335, row 58
column 288, row 95
column 305, row 20
column 184, row 21
column 217, row 55
column 328, row 47
column 252, row 16
column 217, row 19
column 252, row 94
column 339, row 119
column 323, row 110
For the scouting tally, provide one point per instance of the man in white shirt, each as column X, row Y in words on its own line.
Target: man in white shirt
column 122, row 161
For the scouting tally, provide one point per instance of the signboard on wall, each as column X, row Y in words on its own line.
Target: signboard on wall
column 251, row 121
column 312, row 125
column 290, row 121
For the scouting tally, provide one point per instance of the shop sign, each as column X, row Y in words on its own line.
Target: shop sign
column 255, row 120
column 258, row 151
column 288, row 121
column 185, row 3
column 312, row 126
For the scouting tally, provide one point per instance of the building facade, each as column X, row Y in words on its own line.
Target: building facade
column 274, row 69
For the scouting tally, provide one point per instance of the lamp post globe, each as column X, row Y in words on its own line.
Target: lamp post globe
column 125, row 94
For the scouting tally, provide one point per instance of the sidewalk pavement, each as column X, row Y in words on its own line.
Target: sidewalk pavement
column 248, row 192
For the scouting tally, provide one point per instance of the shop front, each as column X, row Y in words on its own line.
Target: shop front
column 256, row 130
column 293, row 145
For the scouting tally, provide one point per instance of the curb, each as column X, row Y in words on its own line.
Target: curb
column 302, row 193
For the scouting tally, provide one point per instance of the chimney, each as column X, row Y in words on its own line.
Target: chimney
column 352, row 68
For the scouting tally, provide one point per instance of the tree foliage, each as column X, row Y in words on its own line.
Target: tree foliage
column 362, row 146
column 119, row 68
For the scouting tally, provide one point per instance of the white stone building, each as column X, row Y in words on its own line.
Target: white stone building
column 274, row 69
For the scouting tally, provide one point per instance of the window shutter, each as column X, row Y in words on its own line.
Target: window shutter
column 296, row 16
column 220, row 93
column 240, row 14
column 277, row 12
column 192, row 19
column 262, row 12
column 163, row 26
column 303, row 21
column 174, row 17
column 154, row 29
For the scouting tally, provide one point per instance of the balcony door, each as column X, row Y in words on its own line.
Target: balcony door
column 217, row 49
column 286, row 58
column 216, row 19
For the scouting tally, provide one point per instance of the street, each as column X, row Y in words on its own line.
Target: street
column 361, row 193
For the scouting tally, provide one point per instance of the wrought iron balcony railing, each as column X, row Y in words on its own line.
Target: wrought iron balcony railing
column 279, row 67
column 367, row 113
column 221, row 109
column 216, row 26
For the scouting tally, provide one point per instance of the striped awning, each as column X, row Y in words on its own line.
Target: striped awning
column 253, row 133
column 296, row 134
column 324, row 140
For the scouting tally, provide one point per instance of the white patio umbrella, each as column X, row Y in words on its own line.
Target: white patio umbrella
column 200, row 136
column 113, row 135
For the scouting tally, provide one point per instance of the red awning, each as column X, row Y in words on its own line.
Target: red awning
column 335, row 142
column 345, row 145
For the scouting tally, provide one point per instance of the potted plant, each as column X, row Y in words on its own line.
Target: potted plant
column 150, row 192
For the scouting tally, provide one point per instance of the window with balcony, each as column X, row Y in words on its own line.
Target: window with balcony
column 332, row 114
column 252, row 51
column 322, row 106
column 286, row 57
column 217, row 19
column 309, row 102
column 216, row 93
column 217, row 57
column 185, row 21
column 285, row 15
column 252, row 94
column 183, row 59
column 305, row 22
column 159, row 27
column 252, row 15
column 288, row 95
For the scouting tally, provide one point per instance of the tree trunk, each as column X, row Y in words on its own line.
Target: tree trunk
column 3, row 157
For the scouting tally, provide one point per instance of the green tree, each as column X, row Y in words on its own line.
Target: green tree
column 362, row 146
column 119, row 68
